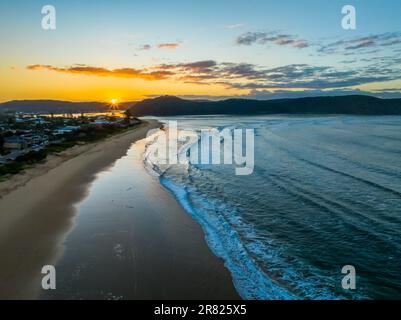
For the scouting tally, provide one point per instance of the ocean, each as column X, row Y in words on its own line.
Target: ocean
column 325, row 192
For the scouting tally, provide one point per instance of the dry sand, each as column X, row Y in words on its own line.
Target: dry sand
column 37, row 207
column 169, row 256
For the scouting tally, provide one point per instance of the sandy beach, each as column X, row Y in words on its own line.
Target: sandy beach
column 165, row 254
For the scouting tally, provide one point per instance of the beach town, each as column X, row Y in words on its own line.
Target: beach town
column 26, row 138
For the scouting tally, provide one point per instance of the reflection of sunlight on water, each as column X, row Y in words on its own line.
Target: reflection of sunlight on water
column 115, row 113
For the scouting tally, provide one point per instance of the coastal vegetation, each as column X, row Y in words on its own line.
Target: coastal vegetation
column 52, row 136
column 352, row 104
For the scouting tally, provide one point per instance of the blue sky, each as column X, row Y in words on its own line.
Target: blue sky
column 258, row 48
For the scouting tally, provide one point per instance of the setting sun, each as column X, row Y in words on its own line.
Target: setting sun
column 114, row 102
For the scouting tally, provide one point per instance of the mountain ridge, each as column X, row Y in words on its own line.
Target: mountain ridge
column 351, row 104
column 58, row 106
column 175, row 106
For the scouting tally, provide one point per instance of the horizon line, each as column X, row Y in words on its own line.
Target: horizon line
column 199, row 98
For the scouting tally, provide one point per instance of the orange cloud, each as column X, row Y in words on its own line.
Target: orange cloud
column 168, row 45
column 103, row 72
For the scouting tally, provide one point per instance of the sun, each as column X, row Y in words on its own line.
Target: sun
column 113, row 105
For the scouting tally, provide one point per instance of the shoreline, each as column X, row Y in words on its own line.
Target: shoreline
column 34, row 227
column 20, row 179
column 37, row 208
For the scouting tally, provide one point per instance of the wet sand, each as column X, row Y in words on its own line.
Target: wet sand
column 111, row 235
column 37, row 209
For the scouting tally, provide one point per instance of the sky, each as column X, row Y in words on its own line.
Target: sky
column 130, row 49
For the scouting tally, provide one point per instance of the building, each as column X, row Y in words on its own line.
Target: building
column 66, row 129
column 32, row 139
column 14, row 143
column 101, row 120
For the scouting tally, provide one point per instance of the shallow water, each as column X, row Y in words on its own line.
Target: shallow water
column 325, row 192
column 132, row 240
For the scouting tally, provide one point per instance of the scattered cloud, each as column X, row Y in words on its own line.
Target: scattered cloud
column 351, row 72
column 198, row 66
column 303, row 76
column 235, row 26
column 247, row 76
column 168, row 45
column 360, row 44
column 272, row 37
column 349, row 61
column 204, row 66
column 145, row 47
column 293, row 76
column 103, row 72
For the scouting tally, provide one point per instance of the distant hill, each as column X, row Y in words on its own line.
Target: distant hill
column 352, row 104
column 56, row 106
column 173, row 106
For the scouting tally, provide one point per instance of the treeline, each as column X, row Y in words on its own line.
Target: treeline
column 57, row 106
column 352, row 104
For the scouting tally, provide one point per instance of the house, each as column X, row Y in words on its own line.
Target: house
column 14, row 142
column 40, row 121
column 66, row 129
column 35, row 139
column 101, row 121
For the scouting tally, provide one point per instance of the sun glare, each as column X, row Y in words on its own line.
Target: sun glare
column 114, row 102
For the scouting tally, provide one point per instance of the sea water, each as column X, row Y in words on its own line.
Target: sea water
column 325, row 193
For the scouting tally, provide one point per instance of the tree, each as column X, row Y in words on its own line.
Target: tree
column 128, row 116
column 11, row 120
column 1, row 143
